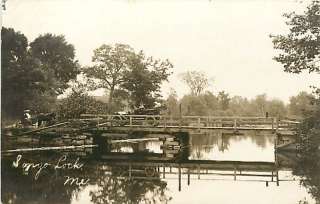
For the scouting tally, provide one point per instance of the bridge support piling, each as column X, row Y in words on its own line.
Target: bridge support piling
column 179, row 177
column 164, row 172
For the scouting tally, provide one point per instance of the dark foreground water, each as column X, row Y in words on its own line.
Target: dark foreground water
column 143, row 172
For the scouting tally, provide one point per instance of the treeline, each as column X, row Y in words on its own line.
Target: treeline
column 222, row 104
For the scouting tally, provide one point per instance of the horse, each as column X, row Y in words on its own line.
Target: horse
column 48, row 118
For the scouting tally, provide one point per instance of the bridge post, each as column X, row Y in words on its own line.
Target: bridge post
column 130, row 120
column 180, row 115
column 98, row 122
column 235, row 124
column 179, row 177
column 199, row 124
column 164, row 171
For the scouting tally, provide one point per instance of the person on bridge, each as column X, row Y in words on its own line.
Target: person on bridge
column 26, row 118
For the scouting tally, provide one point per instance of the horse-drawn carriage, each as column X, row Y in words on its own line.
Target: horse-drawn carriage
column 140, row 115
column 39, row 120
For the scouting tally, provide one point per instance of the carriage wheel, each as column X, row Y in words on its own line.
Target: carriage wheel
column 151, row 120
column 149, row 171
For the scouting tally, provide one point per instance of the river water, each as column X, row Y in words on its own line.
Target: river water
column 105, row 182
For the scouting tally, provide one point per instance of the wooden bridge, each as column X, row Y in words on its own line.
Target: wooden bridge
column 91, row 126
column 159, row 123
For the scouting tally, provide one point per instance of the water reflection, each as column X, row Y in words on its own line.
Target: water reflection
column 112, row 189
column 220, row 146
column 214, row 161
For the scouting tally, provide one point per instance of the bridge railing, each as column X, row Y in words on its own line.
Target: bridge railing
column 190, row 121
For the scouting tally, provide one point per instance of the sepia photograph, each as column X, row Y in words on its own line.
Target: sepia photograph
column 160, row 101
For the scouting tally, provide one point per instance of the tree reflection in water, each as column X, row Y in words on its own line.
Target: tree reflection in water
column 112, row 189
column 18, row 187
column 206, row 142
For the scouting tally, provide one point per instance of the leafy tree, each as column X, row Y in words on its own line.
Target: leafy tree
column 119, row 67
column 240, row 106
column 260, row 104
column 300, row 48
column 196, row 81
column 301, row 52
column 21, row 78
column 301, row 105
column 32, row 77
column 224, row 100
column 109, row 64
column 194, row 105
column 79, row 102
column 56, row 58
column 172, row 103
column 276, row 108
column 144, row 78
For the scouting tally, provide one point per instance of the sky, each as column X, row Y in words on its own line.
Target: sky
column 228, row 40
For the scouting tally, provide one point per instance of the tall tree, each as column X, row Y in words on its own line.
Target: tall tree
column 301, row 47
column 32, row 77
column 109, row 64
column 21, row 78
column 143, row 79
column 196, row 81
column 119, row 67
column 57, row 58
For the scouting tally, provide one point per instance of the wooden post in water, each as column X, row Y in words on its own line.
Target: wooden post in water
column 180, row 116
column 188, row 177
column 98, row 122
column 130, row 120
column 164, row 172
column 179, row 177
column 199, row 172
column 277, row 174
column 235, row 124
